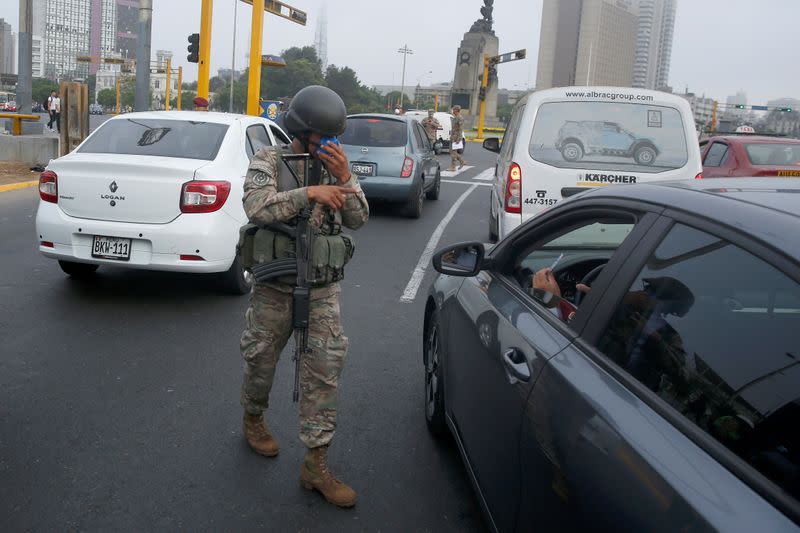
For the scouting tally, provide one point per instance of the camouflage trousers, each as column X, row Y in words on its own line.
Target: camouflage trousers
column 455, row 157
column 268, row 328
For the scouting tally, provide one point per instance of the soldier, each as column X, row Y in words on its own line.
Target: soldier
column 456, row 138
column 269, row 197
column 431, row 125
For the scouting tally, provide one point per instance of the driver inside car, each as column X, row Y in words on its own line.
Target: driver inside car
column 545, row 289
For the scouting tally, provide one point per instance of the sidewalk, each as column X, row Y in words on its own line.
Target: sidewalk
column 15, row 175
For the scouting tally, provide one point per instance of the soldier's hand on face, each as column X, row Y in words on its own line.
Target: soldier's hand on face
column 336, row 161
column 333, row 196
column 544, row 280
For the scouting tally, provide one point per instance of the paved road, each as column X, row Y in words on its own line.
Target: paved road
column 119, row 396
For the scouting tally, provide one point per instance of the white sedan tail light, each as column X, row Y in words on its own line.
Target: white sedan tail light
column 204, row 196
column 48, row 186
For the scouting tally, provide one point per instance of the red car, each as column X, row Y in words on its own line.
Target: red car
column 750, row 155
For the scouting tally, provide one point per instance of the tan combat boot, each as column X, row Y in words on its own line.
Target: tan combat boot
column 258, row 436
column 314, row 474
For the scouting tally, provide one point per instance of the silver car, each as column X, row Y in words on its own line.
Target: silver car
column 393, row 159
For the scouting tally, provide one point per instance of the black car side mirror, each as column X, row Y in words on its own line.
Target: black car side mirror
column 492, row 144
column 464, row 259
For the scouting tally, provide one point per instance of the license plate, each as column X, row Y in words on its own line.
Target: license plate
column 111, row 248
column 362, row 170
column 789, row 173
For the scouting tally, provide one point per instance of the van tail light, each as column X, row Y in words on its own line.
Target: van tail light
column 48, row 186
column 699, row 176
column 204, row 196
column 46, row 244
column 185, row 257
column 514, row 189
column 408, row 167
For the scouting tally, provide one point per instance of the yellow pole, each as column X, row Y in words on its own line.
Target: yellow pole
column 254, row 81
column 169, row 80
column 714, row 117
column 484, row 83
column 436, row 105
column 180, row 86
column 205, row 48
column 117, row 94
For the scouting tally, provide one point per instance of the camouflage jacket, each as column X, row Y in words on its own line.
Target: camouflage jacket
column 456, row 125
column 267, row 201
column 431, row 125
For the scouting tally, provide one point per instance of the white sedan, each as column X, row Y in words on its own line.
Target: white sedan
column 156, row 191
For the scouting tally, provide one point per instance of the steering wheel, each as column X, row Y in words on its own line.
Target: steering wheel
column 587, row 280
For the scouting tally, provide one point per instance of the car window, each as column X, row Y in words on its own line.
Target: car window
column 571, row 252
column 716, row 155
column 279, row 135
column 609, row 135
column 419, row 136
column 776, row 154
column 719, row 344
column 157, row 137
column 258, row 137
column 376, row 132
column 511, row 133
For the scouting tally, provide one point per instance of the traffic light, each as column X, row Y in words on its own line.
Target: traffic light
column 519, row 54
column 482, row 93
column 740, row 106
column 785, row 109
column 194, row 48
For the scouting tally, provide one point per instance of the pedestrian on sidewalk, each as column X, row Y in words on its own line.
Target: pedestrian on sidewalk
column 456, row 138
column 54, row 110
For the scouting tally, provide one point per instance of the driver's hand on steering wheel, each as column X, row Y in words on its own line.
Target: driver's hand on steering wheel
column 545, row 281
column 582, row 287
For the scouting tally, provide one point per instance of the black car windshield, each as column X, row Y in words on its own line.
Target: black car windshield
column 609, row 136
column 376, row 132
column 157, row 137
column 776, row 154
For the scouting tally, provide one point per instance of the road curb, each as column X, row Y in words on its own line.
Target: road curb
column 20, row 185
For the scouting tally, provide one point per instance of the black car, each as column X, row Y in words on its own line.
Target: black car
column 651, row 384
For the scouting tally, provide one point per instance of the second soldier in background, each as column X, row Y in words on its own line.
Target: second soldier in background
column 270, row 197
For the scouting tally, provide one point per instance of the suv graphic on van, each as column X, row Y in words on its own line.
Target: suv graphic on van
column 578, row 138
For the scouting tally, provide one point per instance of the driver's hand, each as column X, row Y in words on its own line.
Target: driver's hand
column 582, row 287
column 545, row 281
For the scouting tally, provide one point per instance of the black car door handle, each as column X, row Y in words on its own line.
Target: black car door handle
column 517, row 364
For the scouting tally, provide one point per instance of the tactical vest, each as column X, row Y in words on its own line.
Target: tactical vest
column 331, row 250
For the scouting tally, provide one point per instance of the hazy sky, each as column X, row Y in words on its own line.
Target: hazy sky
column 720, row 46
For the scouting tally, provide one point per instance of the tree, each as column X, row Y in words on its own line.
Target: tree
column 41, row 89
column 107, row 98
column 215, row 84
column 302, row 69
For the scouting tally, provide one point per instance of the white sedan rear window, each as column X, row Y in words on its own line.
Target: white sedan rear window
column 609, row 136
column 157, row 137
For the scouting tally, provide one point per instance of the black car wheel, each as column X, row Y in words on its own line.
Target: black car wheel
column 433, row 194
column 236, row 280
column 434, row 384
column 414, row 205
column 645, row 155
column 572, row 151
column 77, row 270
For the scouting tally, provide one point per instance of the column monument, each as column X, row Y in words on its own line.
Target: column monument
column 480, row 40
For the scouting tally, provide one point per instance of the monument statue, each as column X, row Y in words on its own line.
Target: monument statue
column 484, row 25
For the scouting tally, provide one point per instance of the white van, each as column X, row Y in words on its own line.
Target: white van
column 561, row 140
column 442, row 135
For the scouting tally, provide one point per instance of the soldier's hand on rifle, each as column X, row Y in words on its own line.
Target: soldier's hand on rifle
column 331, row 195
column 336, row 161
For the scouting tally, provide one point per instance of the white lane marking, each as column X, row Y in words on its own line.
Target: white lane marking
column 465, row 182
column 453, row 173
column 424, row 260
column 486, row 175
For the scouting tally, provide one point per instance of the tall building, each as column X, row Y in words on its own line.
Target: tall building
column 586, row 42
column 656, row 27
column 8, row 48
column 127, row 27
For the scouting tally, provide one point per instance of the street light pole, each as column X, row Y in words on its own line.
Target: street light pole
column 233, row 54
column 142, row 95
column 405, row 51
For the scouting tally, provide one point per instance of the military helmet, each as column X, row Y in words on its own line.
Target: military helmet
column 316, row 109
column 456, row 107
column 430, row 112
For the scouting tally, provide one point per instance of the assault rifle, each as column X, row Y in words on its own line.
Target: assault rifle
column 303, row 235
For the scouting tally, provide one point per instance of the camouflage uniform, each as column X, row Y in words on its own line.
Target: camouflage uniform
column 431, row 125
column 456, row 135
column 269, row 317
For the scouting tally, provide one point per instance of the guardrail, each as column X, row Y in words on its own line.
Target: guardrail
column 17, row 118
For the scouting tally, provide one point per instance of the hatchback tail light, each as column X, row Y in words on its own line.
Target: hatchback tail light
column 699, row 176
column 48, row 186
column 204, row 196
column 408, row 167
column 513, row 202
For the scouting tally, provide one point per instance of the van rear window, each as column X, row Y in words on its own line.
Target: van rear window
column 609, row 136
column 374, row 131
